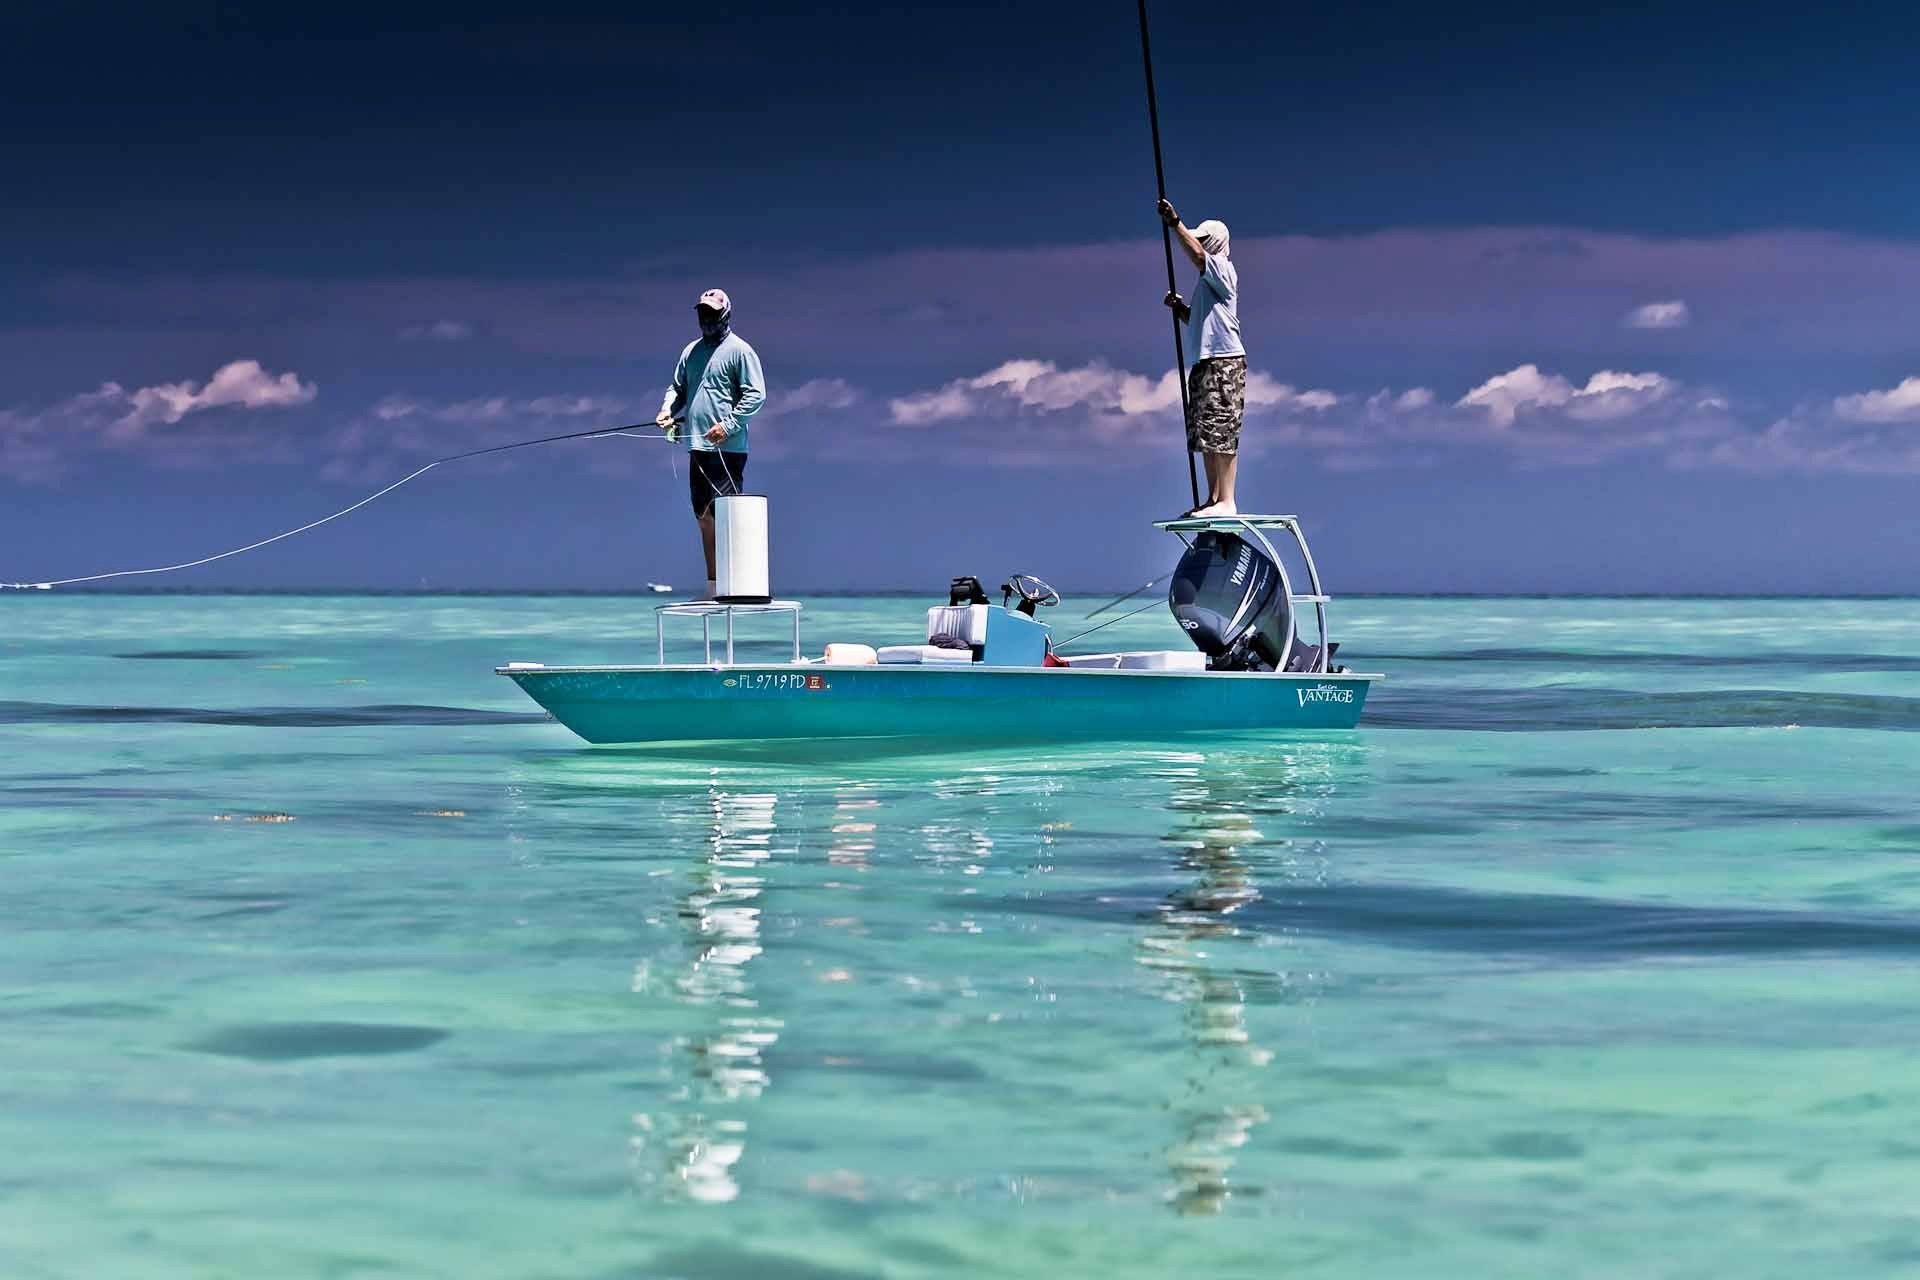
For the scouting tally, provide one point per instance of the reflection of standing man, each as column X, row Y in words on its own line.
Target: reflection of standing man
column 716, row 387
column 1194, row 946
column 723, row 1054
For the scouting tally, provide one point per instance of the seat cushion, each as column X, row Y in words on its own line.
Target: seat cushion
column 911, row 655
column 1143, row 660
column 1164, row 660
column 963, row 623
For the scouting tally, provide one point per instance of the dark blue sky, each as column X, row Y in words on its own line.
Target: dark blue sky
column 445, row 227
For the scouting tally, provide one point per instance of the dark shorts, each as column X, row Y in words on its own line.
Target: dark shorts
column 714, row 473
column 1216, row 402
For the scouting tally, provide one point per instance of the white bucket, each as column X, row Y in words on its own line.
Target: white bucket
column 740, row 549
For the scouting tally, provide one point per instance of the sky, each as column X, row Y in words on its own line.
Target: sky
column 1533, row 302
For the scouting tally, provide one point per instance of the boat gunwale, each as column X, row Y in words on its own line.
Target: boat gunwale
column 927, row 668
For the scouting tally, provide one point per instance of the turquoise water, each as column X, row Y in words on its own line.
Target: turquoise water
column 1591, row 954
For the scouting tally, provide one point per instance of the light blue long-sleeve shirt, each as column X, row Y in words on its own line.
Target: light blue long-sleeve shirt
column 1213, row 330
column 717, row 385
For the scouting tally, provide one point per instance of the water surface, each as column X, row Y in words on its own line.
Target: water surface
column 327, row 954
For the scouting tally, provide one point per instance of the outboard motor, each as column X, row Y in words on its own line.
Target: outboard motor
column 1232, row 602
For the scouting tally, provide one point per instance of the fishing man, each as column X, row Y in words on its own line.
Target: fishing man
column 716, row 387
column 1217, row 382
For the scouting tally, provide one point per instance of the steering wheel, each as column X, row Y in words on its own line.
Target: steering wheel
column 1031, row 590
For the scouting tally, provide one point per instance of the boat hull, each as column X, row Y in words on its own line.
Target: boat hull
column 649, row 704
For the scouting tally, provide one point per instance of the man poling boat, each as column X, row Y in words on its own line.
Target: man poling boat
column 1216, row 400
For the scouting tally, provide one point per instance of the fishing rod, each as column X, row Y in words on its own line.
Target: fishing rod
column 1166, row 243
column 1151, row 582
column 1131, row 613
column 597, row 433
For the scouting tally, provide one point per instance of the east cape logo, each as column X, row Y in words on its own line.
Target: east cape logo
column 1324, row 693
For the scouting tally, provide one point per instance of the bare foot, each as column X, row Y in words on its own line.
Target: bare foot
column 1216, row 509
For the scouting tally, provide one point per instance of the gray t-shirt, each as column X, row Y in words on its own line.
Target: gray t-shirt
column 1214, row 328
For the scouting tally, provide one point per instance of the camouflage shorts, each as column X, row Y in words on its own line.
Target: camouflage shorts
column 1216, row 401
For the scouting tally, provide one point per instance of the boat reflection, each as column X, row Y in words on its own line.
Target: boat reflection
column 1205, row 958
column 691, row 1151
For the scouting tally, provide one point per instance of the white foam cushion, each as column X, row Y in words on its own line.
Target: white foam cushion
column 840, row 654
column 897, row 655
column 1164, row 660
column 1143, row 660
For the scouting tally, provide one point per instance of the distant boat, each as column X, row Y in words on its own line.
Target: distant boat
column 660, row 588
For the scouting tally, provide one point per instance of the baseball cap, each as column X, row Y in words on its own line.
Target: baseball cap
column 716, row 300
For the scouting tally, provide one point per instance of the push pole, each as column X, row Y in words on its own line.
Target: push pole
column 1166, row 242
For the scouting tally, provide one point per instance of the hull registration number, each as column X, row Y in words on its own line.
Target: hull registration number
column 776, row 682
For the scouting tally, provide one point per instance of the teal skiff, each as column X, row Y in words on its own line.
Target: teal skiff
column 989, row 671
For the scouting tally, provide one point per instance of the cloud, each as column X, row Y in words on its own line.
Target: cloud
column 817, row 394
column 1026, row 412
column 1610, row 395
column 1094, row 393
column 1504, row 395
column 1093, row 411
column 1431, row 313
column 35, row 443
column 438, row 331
column 26, row 450
column 396, row 408
column 1808, row 443
column 925, row 407
column 1384, row 404
column 576, row 406
column 243, row 383
column 1659, row 315
column 503, row 410
column 1900, row 404
column 400, row 430
column 1809, row 305
column 1865, row 433
column 1039, row 385
column 1114, row 417
column 1606, row 396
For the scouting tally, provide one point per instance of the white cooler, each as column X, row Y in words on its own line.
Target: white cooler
column 740, row 549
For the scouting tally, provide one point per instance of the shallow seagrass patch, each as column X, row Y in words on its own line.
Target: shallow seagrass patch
column 293, row 1041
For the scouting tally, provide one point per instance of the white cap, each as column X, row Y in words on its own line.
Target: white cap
column 716, row 300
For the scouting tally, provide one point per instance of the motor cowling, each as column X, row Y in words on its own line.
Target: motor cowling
column 1232, row 602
